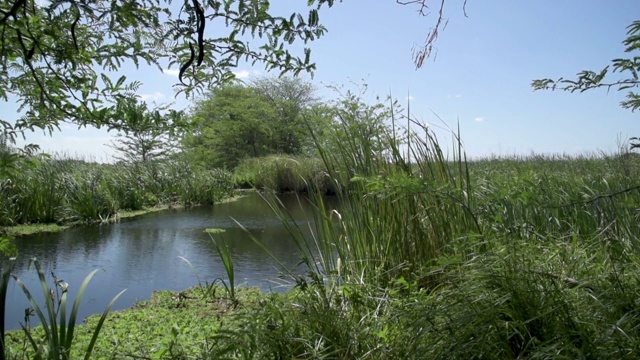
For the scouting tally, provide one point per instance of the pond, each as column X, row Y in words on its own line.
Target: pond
column 143, row 254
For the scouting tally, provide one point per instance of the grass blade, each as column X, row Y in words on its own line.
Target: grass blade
column 96, row 332
column 74, row 310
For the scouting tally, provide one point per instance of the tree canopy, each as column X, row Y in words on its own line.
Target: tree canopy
column 237, row 121
column 625, row 73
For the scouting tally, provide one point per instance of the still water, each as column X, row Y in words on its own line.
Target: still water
column 143, row 254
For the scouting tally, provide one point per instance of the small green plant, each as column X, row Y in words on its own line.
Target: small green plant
column 58, row 330
column 225, row 255
column 208, row 289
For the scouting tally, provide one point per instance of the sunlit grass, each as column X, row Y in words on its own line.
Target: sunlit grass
column 44, row 191
column 517, row 257
column 282, row 174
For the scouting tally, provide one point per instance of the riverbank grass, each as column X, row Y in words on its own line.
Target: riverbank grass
column 282, row 174
column 29, row 229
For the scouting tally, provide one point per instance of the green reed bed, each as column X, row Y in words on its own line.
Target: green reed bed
column 531, row 257
column 283, row 174
column 45, row 190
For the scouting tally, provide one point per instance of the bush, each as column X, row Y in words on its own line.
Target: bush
column 282, row 174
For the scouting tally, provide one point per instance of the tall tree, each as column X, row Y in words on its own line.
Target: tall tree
column 149, row 134
column 288, row 97
column 230, row 123
column 238, row 121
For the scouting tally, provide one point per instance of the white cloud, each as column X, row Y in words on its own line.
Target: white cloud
column 410, row 98
column 156, row 96
column 242, row 74
column 171, row 72
column 479, row 119
column 456, row 96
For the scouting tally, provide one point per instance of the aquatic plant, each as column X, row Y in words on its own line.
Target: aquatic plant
column 222, row 248
column 58, row 329
column 60, row 190
column 282, row 174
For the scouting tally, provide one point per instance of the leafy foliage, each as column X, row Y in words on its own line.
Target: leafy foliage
column 147, row 135
column 231, row 124
column 627, row 70
column 588, row 80
column 238, row 121
column 59, row 57
column 289, row 98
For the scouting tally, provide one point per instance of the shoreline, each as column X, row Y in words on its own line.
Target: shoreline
column 30, row 229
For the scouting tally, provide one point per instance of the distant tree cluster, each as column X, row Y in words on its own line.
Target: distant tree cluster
column 264, row 117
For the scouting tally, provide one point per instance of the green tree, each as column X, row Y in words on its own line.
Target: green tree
column 149, row 134
column 288, row 97
column 621, row 75
column 239, row 121
column 230, row 123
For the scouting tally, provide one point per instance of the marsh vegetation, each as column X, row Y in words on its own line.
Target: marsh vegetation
column 423, row 254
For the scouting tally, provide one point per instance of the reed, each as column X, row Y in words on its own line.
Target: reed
column 46, row 190
column 516, row 257
column 282, row 174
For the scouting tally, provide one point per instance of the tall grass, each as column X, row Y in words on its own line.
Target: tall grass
column 533, row 257
column 283, row 174
column 395, row 216
column 45, row 190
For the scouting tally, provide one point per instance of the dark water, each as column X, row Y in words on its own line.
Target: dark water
column 142, row 254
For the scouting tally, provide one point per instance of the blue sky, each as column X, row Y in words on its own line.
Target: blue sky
column 480, row 78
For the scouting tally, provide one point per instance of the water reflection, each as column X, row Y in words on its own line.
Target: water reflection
column 142, row 255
